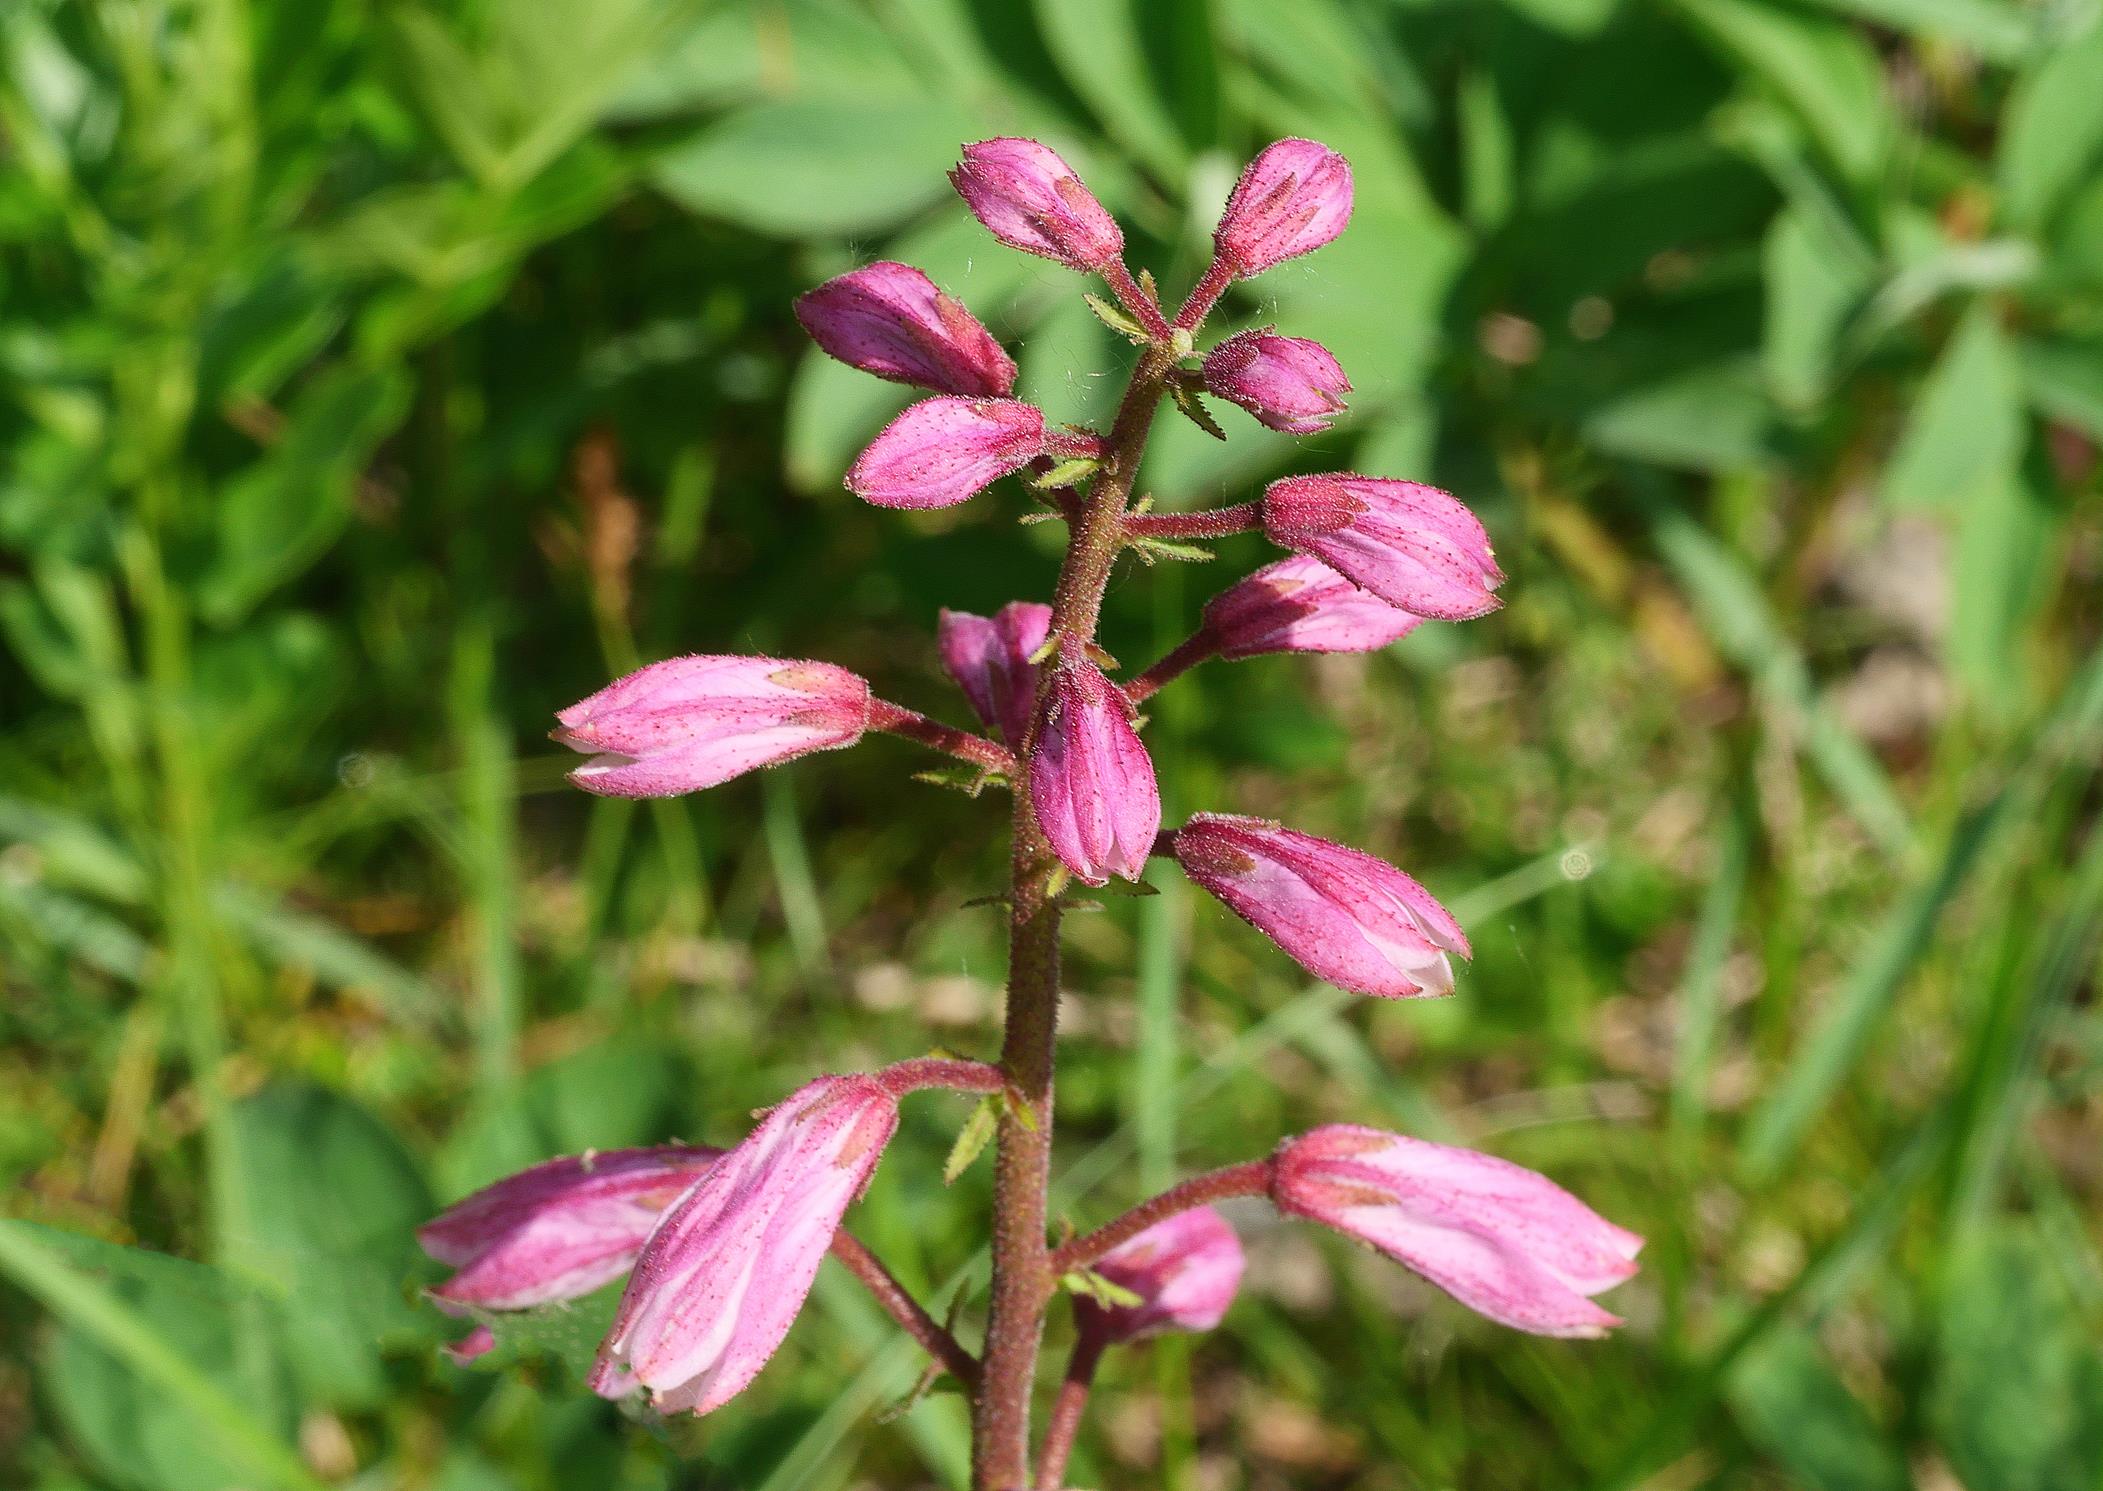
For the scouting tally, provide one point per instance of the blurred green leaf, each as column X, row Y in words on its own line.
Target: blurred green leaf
column 2053, row 135
column 2065, row 379
column 1996, row 29
column 1711, row 419
column 2002, row 544
column 1099, row 51
column 1826, row 71
column 1964, row 435
column 1792, row 1404
column 1811, row 290
column 2017, row 1402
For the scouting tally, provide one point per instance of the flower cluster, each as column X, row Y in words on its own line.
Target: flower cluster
column 720, row 1250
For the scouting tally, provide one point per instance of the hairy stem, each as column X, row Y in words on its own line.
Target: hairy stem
column 1250, row 1178
column 1191, row 651
column 1215, row 522
column 1066, row 1413
column 895, row 719
column 903, row 1308
column 1022, row 1280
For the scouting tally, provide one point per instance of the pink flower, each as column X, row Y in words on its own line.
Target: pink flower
column 559, row 1230
column 691, row 722
column 1185, row 1271
column 1289, row 383
column 943, row 451
column 1091, row 782
column 1346, row 917
column 725, row 1273
column 1505, row 1242
column 1413, row 546
column 1302, row 605
column 1291, row 200
column 891, row 320
column 990, row 660
column 1030, row 199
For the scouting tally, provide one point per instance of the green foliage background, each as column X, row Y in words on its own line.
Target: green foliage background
column 383, row 375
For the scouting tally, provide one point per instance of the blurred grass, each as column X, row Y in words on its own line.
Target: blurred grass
column 382, row 377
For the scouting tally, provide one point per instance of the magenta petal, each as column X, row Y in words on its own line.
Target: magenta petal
column 1289, row 383
column 689, row 723
column 1302, row 605
column 989, row 657
column 727, row 1270
column 944, row 451
column 559, row 1230
column 1413, row 546
column 1504, row 1241
column 1291, row 200
column 1091, row 781
column 892, row 320
column 1346, row 917
column 1030, row 199
column 1185, row 1271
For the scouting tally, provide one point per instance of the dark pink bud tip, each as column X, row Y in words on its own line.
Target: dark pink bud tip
column 891, row 320
column 1344, row 916
column 1413, row 546
column 1302, row 605
column 1030, row 199
column 989, row 657
column 1291, row 200
column 1505, row 1242
column 944, row 451
column 1289, row 383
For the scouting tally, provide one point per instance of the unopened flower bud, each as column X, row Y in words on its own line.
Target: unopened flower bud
column 692, row 722
column 1091, row 781
column 726, row 1272
column 1301, row 605
column 1291, row 200
column 893, row 321
column 1343, row 915
column 1030, row 199
column 1505, row 1242
column 940, row 452
column 1185, row 1271
column 989, row 657
column 1289, row 383
column 1413, row 546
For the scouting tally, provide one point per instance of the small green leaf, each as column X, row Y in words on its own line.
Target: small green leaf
column 1150, row 549
column 963, row 777
column 1131, row 890
column 1114, row 317
column 976, row 1134
column 1092, row 1285
column 1066, row 473
column 1019, row 1108
column 1194, row 409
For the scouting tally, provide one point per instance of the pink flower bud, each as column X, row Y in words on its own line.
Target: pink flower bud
column 692, row 722
column 1346, row 917
column 1030, row 199
column 1185, row 1271
column 1291, row 200
column 1091, row 783
column 989, row 657
column 725, row 1273
column 1288, row 383
column 559, row 1230
column 1505, row 1242
column 1413, row 546
column 891, row 320
column 1302, row 605
column 943, row 451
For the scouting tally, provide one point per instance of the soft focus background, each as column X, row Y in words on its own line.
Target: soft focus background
column 381, row 377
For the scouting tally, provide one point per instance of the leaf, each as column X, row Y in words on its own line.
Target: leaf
column 809, row 166
column 1825, row 70
column 1793, row 1405
column 1115, row 317
column 1091, row 1285
column 1711, row 419
column 2003, row 541
column 1964, row 434
column 2017, row 1400
column 334, row 1204
column 1994, row 29
column 2052, row 132
column 1811, row 289
column 1150, row 549
column 976, row 1134
column 1067, row 473
column 1097, row 46
column 963, row 776
column 1192, row 406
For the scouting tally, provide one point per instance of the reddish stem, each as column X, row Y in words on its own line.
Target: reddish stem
column 903, row 1308
column 1218, row 275
column 1251, row 1178
column 896, row 719
column 1216, row 522
column 1194, row 649
column 954, row 1073
column 1135, row 300
column 1066, row 1413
